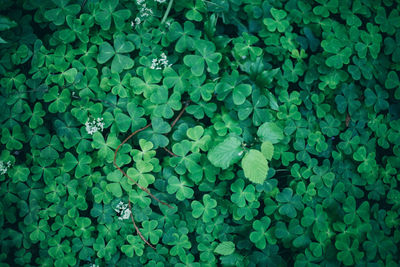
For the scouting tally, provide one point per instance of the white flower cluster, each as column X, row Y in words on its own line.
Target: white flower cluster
column 158, row 64
column 94, row 126
column 123, row 210
column 144, row 12
column 4, row 167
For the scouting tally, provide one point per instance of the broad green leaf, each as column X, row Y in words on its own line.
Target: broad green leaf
column 226, row 153
column 225, row 248
column 255, row 166
column 270, row 131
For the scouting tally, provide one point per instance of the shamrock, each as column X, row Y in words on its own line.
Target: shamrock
column 185, row 161
column 392, row 47
column 205, row 55
column 241, row 194
column 277, row 22
column 243, row 46
column 181, row 187
column 349, row 253
column 368, row 161
column 289, row 202
column 376, row 99
column 371, row 41
column 150, row 231
column 262, row 234
column 186, row 36
column 232, row 83
column 57, row 15
column 342, row 54
column 206, row 210
column 120, row 60
column 387, row 23
column 108, row 11
column 141, row 173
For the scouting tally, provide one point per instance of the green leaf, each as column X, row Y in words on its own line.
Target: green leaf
column 226, row 153
column 255, row 166
column 270, row 131
column 225, row 248
column 267, row 149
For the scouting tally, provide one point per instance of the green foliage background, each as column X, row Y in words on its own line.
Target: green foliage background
column 288, row 152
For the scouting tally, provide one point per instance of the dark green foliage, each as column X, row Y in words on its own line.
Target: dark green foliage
column 287, row 152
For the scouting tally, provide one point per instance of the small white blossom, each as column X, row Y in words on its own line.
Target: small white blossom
column 145, row 11
column 161, row 1
column 140, row 2
column 94, row 126
column 158, row 64
column 94, row 265
column 123, row 211
column 4, row 167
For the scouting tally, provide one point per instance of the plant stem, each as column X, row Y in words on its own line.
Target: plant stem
column 167, row 11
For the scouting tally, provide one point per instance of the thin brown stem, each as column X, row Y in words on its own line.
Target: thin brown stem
column 137, row 228
column 170, row 152
column 179, row 115
column 134, row 182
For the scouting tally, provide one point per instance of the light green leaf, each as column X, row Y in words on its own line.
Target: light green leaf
column 225, row 248
column 269, row 131
column 226, row 153
column 267, row 149
column 255, row 166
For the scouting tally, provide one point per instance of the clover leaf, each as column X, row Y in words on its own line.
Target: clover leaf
column 262, row 234
column 57, row 15
column 206, row 210
column 120, row 60
column 206, row 55
column 108, row 11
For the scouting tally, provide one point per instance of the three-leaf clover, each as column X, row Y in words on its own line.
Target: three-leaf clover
column 206, row 55
column 206, row 210
column 120, row 61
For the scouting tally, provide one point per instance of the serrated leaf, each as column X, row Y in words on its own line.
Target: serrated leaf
column 225, row 248
column 255, row 166
column 226, row 153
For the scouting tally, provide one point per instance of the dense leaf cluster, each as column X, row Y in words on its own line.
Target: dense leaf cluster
column 287, row 154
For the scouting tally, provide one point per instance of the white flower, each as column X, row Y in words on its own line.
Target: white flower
column 4, row 167
column 140, row 2
column 161, row 63
column 123, row 211
column 145, row 11
column 94, row 126
column 137, row 21
column 161, row 1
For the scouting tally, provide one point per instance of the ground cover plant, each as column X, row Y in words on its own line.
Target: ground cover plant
column 200, row 133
